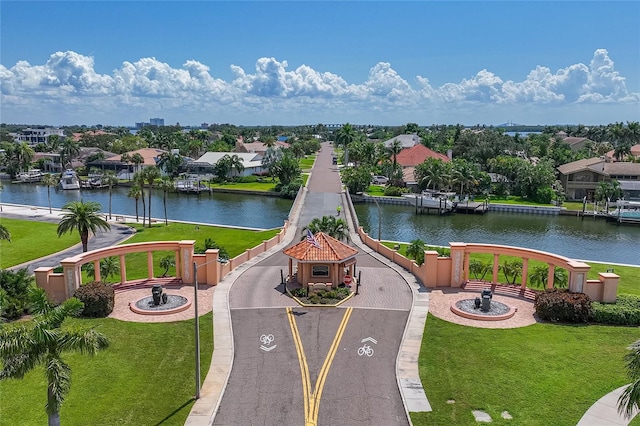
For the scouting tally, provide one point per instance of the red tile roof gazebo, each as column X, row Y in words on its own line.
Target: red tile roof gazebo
column 323, row 261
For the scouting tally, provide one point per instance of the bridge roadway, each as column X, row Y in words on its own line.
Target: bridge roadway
column 307, row 366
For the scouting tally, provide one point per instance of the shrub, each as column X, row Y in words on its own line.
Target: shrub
column 248, row 179
column 393, row 191
column 290, row 190
column 15, row 289
column 299, row 292
column 561, row 305
column 626, row 311
column 98, row 299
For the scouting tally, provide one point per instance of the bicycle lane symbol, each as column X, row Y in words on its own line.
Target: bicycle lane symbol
column 266, row 340
column 366, row 349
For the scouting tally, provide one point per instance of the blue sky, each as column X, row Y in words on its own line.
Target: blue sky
column 263, row 63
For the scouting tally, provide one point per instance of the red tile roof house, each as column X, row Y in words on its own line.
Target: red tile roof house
column 409, row 158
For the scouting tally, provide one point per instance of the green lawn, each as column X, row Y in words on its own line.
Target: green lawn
column 235, row 241
column 306, row 163
column 31, row 240
column 629, row 275
column 267, row 185
column 544, row 374
column 145, row 377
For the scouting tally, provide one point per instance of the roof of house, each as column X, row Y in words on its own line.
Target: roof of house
column 407, row 141
column 595, row 164
column 150, row 155
column 331, row 250
column 417, row 154
column 622, row 168
column 258, row 147
column 408, row 175
column 574, row 140
column 635, row 151
column 249, row 159
column 77, row 136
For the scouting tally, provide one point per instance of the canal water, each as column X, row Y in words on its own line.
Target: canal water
column 569, row 236
column 252, row 211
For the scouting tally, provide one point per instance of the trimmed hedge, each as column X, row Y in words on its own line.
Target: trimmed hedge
column 98, row 298
column 560, row 305
column 626, row 311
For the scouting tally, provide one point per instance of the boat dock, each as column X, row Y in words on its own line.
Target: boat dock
column 473, row 207
column 191, row 187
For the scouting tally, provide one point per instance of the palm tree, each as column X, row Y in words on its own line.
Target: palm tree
column 150, row 174
column 170, row 162
column 166, row 184
column 109, row 178
column 415, row 251
column 83, row 216
column 137, row 159
column 135, row 192
column 126, row 159
column 68, row 150
column 49, row 180
column 23, row 155
column 42, row 341
column 629, row 401
column 394, row 150
column 109, row 266
column 4, row 233
column 167, row 262
column 138, row 178
column 330, row 225
column 344, row 136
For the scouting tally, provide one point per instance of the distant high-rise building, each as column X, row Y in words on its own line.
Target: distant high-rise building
column 204, row 125
column 156, row 121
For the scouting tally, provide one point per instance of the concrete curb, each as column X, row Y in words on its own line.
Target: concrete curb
column 604, row 412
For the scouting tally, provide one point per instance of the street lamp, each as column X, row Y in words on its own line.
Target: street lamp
column 197, row 319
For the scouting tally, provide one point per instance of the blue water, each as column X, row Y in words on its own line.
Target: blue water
column 252, row 211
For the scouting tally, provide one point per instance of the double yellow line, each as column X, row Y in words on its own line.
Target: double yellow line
column 312, row 400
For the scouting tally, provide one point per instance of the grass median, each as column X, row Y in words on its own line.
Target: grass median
column 31, row 240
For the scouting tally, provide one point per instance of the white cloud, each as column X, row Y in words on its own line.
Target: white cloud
column 68, row 79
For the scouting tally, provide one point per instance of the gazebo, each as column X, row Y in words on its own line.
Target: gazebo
column 322, row 259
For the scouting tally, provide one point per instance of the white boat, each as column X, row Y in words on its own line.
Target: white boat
column 432, row 200
column 33, row 175
column 69, row 180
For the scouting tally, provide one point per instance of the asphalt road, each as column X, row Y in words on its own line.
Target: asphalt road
column 358, row 388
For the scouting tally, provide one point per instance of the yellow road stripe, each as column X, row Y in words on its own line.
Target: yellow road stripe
column 317, row 394
column 312, row 401
column 304, row 368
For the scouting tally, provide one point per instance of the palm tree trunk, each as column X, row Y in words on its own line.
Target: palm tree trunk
column 49, row 197
column 149, row 206
column 84, row 237
column 165, row 208
column 144, row 210
column 109, row 202
column 136, row 209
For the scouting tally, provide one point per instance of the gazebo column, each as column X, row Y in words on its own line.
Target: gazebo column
column 123, row 269
column 496, row 267
column 457, row 263
column 96, row 270
column 150, row 265
column 525, row 267
column 550, row 275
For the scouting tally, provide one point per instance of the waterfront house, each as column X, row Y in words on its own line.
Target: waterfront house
column 37, row 135
column 580, row 178
column 252, row 162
